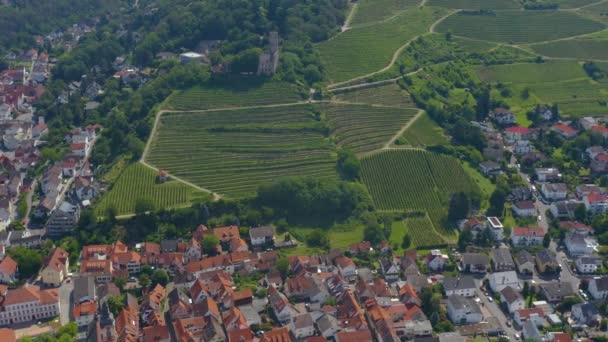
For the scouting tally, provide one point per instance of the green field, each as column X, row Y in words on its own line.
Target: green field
column 424, row 132
column 363, row 128
column 240, row 94
column 413, row 179
column 599, row 7
column 423, row 232
column 519, row 26
column 554, row 71
column 575, row 3
column 475, row 4
column 584, row 49
column 375, row 10
column 363, row 50
column 231, row 152
column 386, row 95
column 139, row 182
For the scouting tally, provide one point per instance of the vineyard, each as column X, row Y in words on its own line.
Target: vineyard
column 554, row 71
column 386, row 95
column 375, row 10
column 476, row 4
column 231, row 152
column 139, row 182
column 363, row 50
column 575, row 48
column 519, row 26
column 413, row 179
column 575, row 3
column 362, row 128
column 601, row 6
column 422, row 232
column 239, row 94
column 423, row 132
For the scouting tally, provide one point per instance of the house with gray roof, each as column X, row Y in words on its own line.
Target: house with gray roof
column 524, row 262
column 463, row 310
column 502, row 260
column 261, row 235
column 556, row 291
column 588, row 263
column 461, row 286
column 598, row 287
column 585, row 314
column 475, row 262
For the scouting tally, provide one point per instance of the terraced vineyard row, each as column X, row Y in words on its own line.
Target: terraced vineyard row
column 422, row 232
column 423, row 132
column 139, row 182
column 476, row 4
column 386, row 95
column 575, row 48
column 519, row 26
column 232, row 152
column 239, row 95
column 374, row 10
column 362, row 128
column 413, row 179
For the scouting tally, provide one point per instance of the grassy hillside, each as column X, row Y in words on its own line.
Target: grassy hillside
column 575, row 48
column 553, row 71
column 386, row 95
column 375, row 10
column 231, row 152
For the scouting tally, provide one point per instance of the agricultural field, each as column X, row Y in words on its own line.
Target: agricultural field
column 599, row 7
column 584, row 49
column 553, row 71
column 376, row 10
column 231, row 152
column 476, row 4
column 139, row 182
column 575, row 3
column 519, row 27
column 239, row 94
column 423, row 132
column 386, row 95
column 413, row 179
column 363, row 128
column 569, row 90
column 422, row 232
column 363, row 50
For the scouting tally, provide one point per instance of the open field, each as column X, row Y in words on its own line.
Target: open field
column 575, row 48
column 231, row 152
column 575, row 3
column 363, row 50
column 139, row 182
column 386, row 95
column 363, row 128
column 375, row 10
column 569, row 90
column 413, row 179
column 422, row 232
column 475, row 4
column 423, row 132
column 599, row 7
column 552, row 71
column 238, row 95
column 519, row 26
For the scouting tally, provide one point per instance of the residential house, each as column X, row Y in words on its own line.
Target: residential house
column 599, row 164
column 327, row 325
column 554, row 191
column 500, row 280
column 28, row 303
column 502, row 116
column 489, row 168
column 588, row 264
column 598, row 287
column 359, row 248
column 496, row 227
column 461, row 286
column 302, row 326
column 522, row 147
column 436, row 261
column 535, row 314
column 530, row 332
column 547, row 174
column 524, row 208
column 587, row 189
column 502, row 260
column 346, row 267
column 580, row 244
column 601, row 130
column 527, row 236
column 591, row 152
column 55, row 268
column 277, row 335
column 463, row 310
column 390, row 270
column 564, row 130
column 409, row 265
column 514, row 300
column 564, row 209
column 350, row 336
column 575, row 226
column 475, row 262
column 546, row 261
column 281, row 307
column 63, row 220
column 261, row 235
column 516, row 133
column 544, row 113
column 586, row 314
column 557, row 291
column 9, row 270
column 84, row 314
column 596, row 203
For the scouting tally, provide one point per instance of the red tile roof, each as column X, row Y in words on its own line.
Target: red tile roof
column 518, row 129
column 563, row 128
column 528, row 231
column 8, row 266
column 57, row 260
column 599, row 128
column 596, row 197
column 7, row 335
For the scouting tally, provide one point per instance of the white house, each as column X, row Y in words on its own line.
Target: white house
column 586, row 314
column 527, row 236
column 494, row 224
column 461, row 286
column 547, row 174
column 536, row 315
column 596, row 203
column 500, row 280
column 28, row 303
column 514, row 300
column 598, row 287
column 554, row 191
column 588, row 263
column 580, row 244
column 524, row 208
column 281, row 307
column 502, row 116
column 261, row 235
column 302, row 326
column 463, row 310
column 522, row 147
column 346, row 267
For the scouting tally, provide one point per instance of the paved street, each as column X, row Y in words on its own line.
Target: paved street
column 495, row 311
column 65, row 292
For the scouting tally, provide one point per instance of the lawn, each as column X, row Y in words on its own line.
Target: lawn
column 475, row 4
column 519, row 27
column 363, row 128
column 237, row 94
column 375, row 10
column 386, row 95
column 423, row 132
column 553, row 71
column 363, row 50
column 139, row 182
column 575, row 48
column 231, row 152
